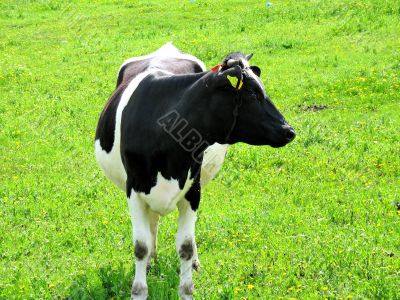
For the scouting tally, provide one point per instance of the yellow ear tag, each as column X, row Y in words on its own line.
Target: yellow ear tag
column 233, row 80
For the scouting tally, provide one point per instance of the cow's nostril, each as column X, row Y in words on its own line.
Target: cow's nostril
column 290, row 134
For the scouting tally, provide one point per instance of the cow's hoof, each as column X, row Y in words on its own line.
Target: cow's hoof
column 139, row 291
column 186, row 291
column 196, row 265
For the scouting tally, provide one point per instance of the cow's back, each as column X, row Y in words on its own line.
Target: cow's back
column 172, row 65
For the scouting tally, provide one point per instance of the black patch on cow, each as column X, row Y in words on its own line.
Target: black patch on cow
column 140, row 250
column 186, row 250
column 194, row 193
column 106, row 126
column 146, row 146
column 148, row 143
column 256, row 70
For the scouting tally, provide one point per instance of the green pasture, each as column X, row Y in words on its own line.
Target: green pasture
column 317, row 219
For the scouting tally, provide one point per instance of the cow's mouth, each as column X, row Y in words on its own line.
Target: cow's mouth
column 283, row 143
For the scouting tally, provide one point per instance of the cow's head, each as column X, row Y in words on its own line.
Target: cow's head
column 248, row 112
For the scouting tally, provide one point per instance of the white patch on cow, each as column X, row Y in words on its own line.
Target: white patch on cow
column 111, row 162
column 111, row 165
column 167, row 50
column 213, row 159
column 164, row 196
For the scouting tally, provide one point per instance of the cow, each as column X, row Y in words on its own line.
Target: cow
column 163, row 135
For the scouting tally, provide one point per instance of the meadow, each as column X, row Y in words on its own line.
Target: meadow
column 317, row 219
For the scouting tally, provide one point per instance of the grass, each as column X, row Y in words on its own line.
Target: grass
column 316, row 219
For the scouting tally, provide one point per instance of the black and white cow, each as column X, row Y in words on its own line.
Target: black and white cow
column 163, row 135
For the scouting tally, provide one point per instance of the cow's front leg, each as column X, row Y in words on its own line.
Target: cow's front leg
column 142, row 239
column 186, row 247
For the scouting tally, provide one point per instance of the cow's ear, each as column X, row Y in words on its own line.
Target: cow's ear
column 233, row 76
column 256, row 70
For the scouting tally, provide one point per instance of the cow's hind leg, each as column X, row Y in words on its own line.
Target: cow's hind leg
column 154, row 218
column 186, row 248
column 142, row 239
column 195, row 260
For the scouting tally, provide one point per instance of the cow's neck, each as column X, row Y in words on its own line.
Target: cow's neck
column 195, row 109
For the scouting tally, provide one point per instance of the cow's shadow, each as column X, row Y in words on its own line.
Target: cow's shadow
column 114, row 282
